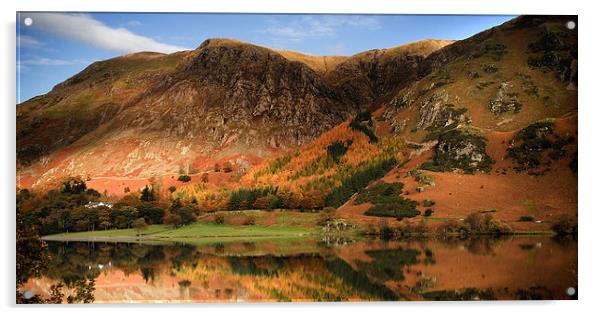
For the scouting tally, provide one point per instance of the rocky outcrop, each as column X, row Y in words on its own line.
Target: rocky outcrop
column 504, row 100
column 459, row 149
column 245, row 94
column 437, row 113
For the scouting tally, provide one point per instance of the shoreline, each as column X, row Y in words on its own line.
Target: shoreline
column 301, row 236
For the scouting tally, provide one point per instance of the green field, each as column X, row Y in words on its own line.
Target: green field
column 285, row 225
column 196, row 230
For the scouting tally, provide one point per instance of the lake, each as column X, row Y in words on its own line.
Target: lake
column 329, row 269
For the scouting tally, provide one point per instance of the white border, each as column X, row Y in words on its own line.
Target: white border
column 590, row 140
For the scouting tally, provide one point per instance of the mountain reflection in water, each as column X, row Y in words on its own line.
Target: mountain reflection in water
column 314, row 270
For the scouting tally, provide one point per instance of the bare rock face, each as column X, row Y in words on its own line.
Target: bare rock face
column 504, row 100
column 432, row 108
column 229, row 86
column 437, row 112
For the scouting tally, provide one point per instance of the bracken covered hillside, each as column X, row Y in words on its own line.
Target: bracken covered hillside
column 489, row 128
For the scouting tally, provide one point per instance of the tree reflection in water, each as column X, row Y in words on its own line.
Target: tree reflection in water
column 365, row 270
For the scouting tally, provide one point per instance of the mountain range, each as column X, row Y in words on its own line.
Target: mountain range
column 485, row 124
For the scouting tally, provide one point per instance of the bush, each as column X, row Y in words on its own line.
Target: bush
column 428, row 212
column 184, row 178
column 172, row 219
column 152, row 214
column 526, row 218
column 565, row 226
column 385, row 232
column 458, row 149
column 454, row 227
column 553, row 51
column 139, row 225
column 403, row 209
column 172, row 189
column 480, row 223
column 381, row 193
column 529, row 146
column 497, row 227
column 219, row 219
column 431, row 166
column 422, row 178
column 187, row 214
column 336, row 150
column 327, row 215
column 74, row 186
column 147, row 194
column 362, row 123
column 428, row 203
column 387, row 201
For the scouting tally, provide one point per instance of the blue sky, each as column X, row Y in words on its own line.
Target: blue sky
column 58, row 45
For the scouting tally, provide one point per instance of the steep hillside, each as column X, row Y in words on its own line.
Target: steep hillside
column 370, row 77
column 489, row 127
column 492, row 128
column 85, row 101
column 429, row 132
column 148, row 115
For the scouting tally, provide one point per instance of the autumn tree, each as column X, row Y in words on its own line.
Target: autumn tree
column 150, row 213
column 139, row 225
column 172, row 219
column 104, row 218
column 74, row 186
column 147, row 194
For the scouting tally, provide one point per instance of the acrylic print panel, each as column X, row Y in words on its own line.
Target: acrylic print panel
column 270, row 157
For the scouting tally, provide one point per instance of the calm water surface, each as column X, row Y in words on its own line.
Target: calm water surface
column 317, row 270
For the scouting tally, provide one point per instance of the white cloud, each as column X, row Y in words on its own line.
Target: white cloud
column 24, row 64
column 42, row 61
column 28, row 41
column 320, row 26
column 134, row 23
column 85, row 29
